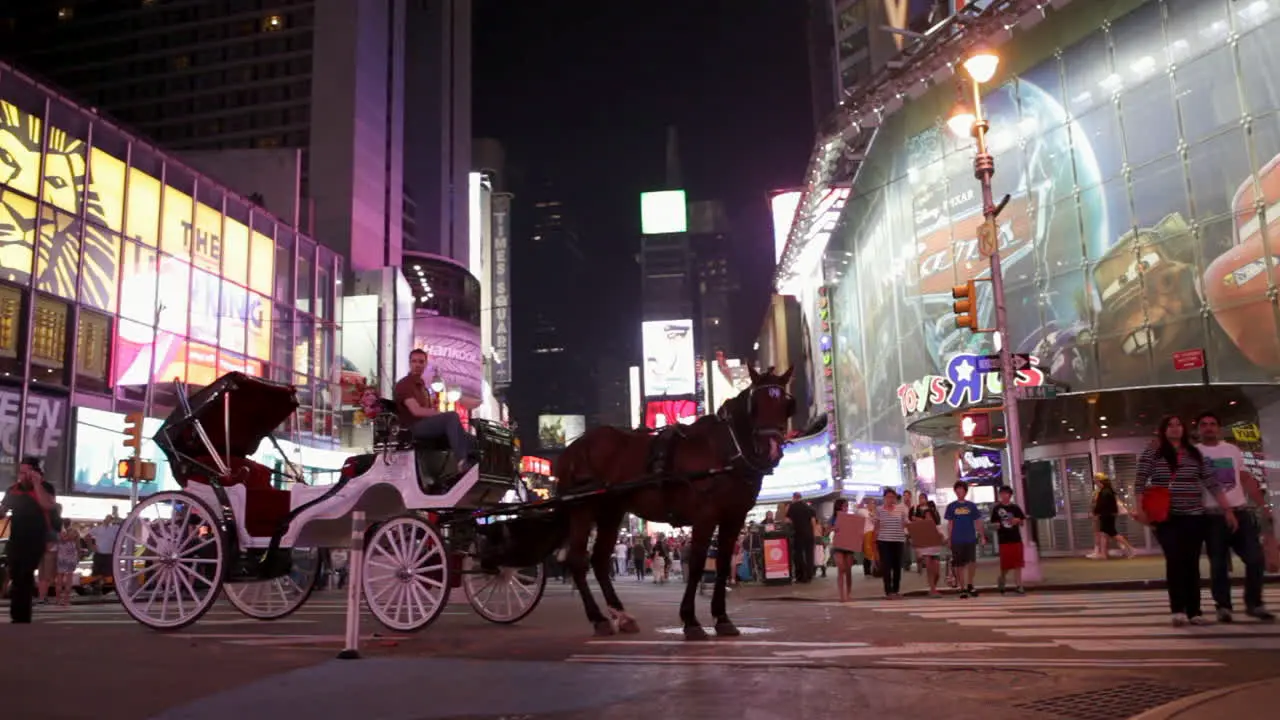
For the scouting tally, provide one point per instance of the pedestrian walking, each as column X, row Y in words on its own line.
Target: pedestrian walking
column 1172, row 479
column 891, row 541
column 68, row 560
column 29, row 504
column 1008, row 519
column 966, row 532
column 1106, row 507
column 1239, row 486
column 925, row 509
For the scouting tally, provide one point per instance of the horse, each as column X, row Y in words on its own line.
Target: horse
column 710, row 475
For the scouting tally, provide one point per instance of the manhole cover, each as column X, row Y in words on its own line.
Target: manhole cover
column 1117, row 703
column 745, row 630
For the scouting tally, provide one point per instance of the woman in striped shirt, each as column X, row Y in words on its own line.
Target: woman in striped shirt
column 1173, row 463
column 891, row 541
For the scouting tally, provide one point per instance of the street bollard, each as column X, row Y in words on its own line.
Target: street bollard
column 355, row 579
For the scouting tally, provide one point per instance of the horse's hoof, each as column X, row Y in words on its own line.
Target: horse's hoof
column 695, row 632
column 604, row 628
column 726, row 628
column 628, row 625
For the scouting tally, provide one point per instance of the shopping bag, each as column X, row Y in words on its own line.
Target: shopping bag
column 1155, row 504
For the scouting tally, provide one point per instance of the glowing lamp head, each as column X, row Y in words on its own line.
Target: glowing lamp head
column 981, row 64
column 962, row 120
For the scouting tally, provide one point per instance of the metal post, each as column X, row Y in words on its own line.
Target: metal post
column 355, row 579
column 984, row 168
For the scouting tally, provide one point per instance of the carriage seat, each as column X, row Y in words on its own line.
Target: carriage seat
column 265, row 507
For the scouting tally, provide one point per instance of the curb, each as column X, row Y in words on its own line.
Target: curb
column 1177, row 707
column 1100, row 585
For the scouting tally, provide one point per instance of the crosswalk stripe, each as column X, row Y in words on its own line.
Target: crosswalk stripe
column 1055, row 621
column 1052, row 662
column 1221, row 644
column 1049, row 612
column 1123, row 630
column 686, row 660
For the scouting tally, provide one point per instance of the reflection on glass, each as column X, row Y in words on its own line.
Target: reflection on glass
column 205, row 303
column 106, row 189
column 58, row 253
column 143, row 212
column 1207, row 95
column 17, row 236
column 93, row 351
column 176, row 294
column 101, row 267
column 1219, row 166
column 175, row 222
column 49, row 338
column 235, row 251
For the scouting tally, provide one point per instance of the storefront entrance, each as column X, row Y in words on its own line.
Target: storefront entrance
column 1071, row 467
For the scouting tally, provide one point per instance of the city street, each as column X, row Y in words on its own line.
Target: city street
column 990, row 656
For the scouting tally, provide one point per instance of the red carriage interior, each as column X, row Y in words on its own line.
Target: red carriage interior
column 265, row 507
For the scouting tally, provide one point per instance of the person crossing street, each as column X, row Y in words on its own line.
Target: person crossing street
column 29, row 503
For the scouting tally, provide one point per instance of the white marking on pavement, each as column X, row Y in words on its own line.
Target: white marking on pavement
column 1221, row 644
column 1084, row 663
column 1049, row 612
column 291, row 638
column 738, row 643
column 202, row 621
column 1055, row 621
column 745, row 630
column 678, row 660
column 910, row 649
column 1122, row 630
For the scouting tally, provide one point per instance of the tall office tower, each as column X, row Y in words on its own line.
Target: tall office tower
column 389, row 127
column 717, row 275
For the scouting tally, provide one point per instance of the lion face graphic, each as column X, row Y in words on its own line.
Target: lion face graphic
column 50, row 245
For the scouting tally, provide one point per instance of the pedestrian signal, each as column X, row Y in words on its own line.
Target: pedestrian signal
column 976, row 427
column 963, row 306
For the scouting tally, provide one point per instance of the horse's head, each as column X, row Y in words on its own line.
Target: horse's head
column 766, row 408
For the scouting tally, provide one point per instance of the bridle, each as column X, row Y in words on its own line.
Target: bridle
column 730, row 419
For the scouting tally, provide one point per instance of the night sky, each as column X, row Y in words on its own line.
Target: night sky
column 581, row 93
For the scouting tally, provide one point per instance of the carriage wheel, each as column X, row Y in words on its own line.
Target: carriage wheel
column 168, row 560
column 278, row 597
column 506, row 595
column 406, row 574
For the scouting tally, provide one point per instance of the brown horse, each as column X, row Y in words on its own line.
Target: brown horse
column 712, row 471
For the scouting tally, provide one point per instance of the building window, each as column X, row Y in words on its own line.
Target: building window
column 93, row 351
column 180, row 62
column 66, row 13
column 10, row 315
column 272, row 23
column 49, row 340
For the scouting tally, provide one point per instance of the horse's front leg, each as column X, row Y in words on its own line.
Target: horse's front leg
column 724, row 565
column 698, row 546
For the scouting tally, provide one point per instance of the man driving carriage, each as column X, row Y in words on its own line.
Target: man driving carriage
column 416, row 408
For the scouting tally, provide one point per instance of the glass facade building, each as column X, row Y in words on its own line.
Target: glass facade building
column 123, row 271
column 1141, row 153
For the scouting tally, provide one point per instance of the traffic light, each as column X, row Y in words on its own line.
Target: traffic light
column 137, row 469
column 963, row 306
column 976, row 427
column 133, row 432
column 124, row 468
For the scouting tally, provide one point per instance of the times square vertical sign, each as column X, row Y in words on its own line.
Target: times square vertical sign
column 500, row 276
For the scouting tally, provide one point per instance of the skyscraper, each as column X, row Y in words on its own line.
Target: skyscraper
column 388, row 129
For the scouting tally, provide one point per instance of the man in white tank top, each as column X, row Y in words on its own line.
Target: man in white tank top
column 1239, row 486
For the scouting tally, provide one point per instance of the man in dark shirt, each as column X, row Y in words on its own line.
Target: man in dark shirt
column 29, row 503
column 801, row 517
column 1008, row 519
column 417, row 412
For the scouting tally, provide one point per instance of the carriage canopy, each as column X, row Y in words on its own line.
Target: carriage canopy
column 237, row 412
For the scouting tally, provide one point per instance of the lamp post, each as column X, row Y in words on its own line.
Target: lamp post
column 980, row 66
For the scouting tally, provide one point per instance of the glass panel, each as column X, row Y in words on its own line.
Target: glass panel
column 233, row 362
column 1150, row 120
column 1124, row 474
column 1159, row 192
column 17, row 237
column 305, row 328
column 21, row 134
column 1079, row 481
column 306, row 276
column 324, row 307
column 1218, row 167
column 259, row 324
column 205, row 242
column 1195, row 26
column 171, row 358
column 281, row 334
column 93, row 352
column 58, row 253
column 107, row 172
column 234, row 317
column 1207, row 97
column 1052, row 532
column 65, row 172
column 49, row 342
column 1086, row 74
column 202, row 364
column 1259, row 58
column 142, row 211
column 283, row 266
column 235, row 242
column 177, row 209
column 138, row 283
column 205, row 302
column 11, row 322
column 323, row 347
column 176, row 294
column 101, row 268
column 134, row 343
column 1098, row 132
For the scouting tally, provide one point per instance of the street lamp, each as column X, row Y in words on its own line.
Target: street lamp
column 437, row 384
column 981, row 65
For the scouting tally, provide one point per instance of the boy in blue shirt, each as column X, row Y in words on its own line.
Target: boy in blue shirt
column 964, row 522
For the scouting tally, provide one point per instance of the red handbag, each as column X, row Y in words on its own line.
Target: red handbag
column 1155, row 504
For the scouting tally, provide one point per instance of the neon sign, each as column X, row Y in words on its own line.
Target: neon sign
column 962, row 386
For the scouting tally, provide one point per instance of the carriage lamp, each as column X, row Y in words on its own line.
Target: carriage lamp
column 454, row 396
column 437, row 383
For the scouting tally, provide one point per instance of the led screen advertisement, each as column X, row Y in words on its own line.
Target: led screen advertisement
column 783, row 206
column 557, row 431
column 45, row 438
column 661, row 413
column 669, row 367
column 1113, row 241
column 100, row 446
column 805, row 468
column 665, row 212
column 453, row 349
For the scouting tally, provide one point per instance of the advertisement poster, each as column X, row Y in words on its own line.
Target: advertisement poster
column 668, row 358
column 454, row 349
column 557, row 431
column 1119, row 248
column 661, row 413
column 45, row 433
column 805, row 468
column 777, row 558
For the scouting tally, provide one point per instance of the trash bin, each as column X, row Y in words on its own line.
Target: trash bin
column 776, row 543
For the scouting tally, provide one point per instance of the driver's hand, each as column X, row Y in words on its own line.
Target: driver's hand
column 1232, row 523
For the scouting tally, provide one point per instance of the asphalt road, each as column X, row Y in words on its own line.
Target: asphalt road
column 1055, row 655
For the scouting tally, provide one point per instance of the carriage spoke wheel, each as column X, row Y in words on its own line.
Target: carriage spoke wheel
column 168, row 560
column 406, row 574
column 275, row 598
column 506, row 595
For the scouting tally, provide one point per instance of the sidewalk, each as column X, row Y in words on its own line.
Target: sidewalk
column 1246, row 701
column 1145, row 572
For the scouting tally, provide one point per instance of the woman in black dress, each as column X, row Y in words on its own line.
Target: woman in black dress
column 844, row 558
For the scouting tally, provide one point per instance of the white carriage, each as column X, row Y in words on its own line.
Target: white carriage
column 231, row 527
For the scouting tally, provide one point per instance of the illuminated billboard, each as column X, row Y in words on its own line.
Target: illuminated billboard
column 783, row 206
column 661, row 413
column 729, row 377
column 664, row 212
column 805, row 468
column 668, row 358
column 453, row 350
column 557, row 431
